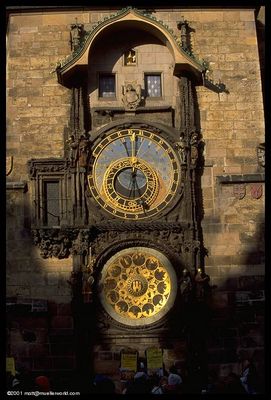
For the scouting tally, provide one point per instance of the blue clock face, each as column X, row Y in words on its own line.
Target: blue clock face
column 135, row 174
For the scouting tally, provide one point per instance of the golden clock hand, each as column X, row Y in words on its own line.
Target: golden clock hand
column 138, row 189
column 133, row 157
column 133, row 180
column 133, row 144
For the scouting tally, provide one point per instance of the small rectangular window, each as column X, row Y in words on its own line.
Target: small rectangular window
column 153, row 86
column 107, row 86
column 51, row 203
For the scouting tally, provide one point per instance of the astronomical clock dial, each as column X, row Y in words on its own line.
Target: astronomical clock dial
column 135, row 174
column 137, row 286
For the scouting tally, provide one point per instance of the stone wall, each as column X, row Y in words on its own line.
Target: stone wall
column 232, row 125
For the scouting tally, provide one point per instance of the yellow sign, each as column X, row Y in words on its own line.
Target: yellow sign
column 154, row 358
column 129, row 361
column 10, row 365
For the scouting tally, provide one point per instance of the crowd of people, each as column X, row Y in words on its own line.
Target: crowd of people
column 171, row 382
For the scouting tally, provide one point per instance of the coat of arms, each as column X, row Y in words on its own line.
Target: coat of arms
column 256, row 191
column 239, row 191
column 131, row 96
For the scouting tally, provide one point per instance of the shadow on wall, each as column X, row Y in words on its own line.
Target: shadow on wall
column 106, row 55
column 238, row 317
column 198, row 179
column 261, row 47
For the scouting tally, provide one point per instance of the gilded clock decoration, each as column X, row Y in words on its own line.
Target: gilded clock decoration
column 136, row 285
column 135, row 174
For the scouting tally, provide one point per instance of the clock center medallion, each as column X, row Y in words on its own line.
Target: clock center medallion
column 137, row 285
column 130, row 185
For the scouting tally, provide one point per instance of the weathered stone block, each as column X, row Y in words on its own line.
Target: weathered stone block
column 62, row 322
column 54, row 90
column 31, row 111
column 37, row 350
column 64, row 309
column 19, row 63
column 220, row 299
column 39, row 62
column 63, row 363
column 52, row 278
column 60, row 337
column 247, row 16
column 43, row 364
column 62, row 349
column 56, row 111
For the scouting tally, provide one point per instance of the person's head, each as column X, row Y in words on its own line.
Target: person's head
column 232, row 377
column 246, row 363
column 42, row 382
column 173, row 369
column 174, row 380
column 155, row 379
column 104, row 384
column 163, row 381
column 141, row 375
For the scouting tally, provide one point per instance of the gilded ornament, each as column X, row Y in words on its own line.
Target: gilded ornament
column 136, row 285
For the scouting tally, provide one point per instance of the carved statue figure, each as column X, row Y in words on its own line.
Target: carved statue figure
column 73, row 153
column 202, row 285
column 55, row 250
column 194, row 139
column 131, row 58
column 182, row 149
column 182, row 25
column 79, row 149
column 131, row 96
column 88, row 281
column 74, row 283
column 76, row 35
column 83, row 150
column 45, row 246
column 64, row 246
column 186, row 286
column 194, row 147
column 261, row 154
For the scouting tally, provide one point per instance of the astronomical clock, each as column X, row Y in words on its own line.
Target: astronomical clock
column 121, row 203
column 135, row 174
column 134, row 179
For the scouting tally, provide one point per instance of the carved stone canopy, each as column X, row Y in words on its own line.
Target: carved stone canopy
column 79, row 59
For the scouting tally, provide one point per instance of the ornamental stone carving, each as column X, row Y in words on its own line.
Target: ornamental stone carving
column 80, row 245
column 261, row 154
column 53, row 242
column 131, row 95
column 76, row 35
column 182, row 148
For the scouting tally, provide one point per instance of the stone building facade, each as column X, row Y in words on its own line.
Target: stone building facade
column 190, row 71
